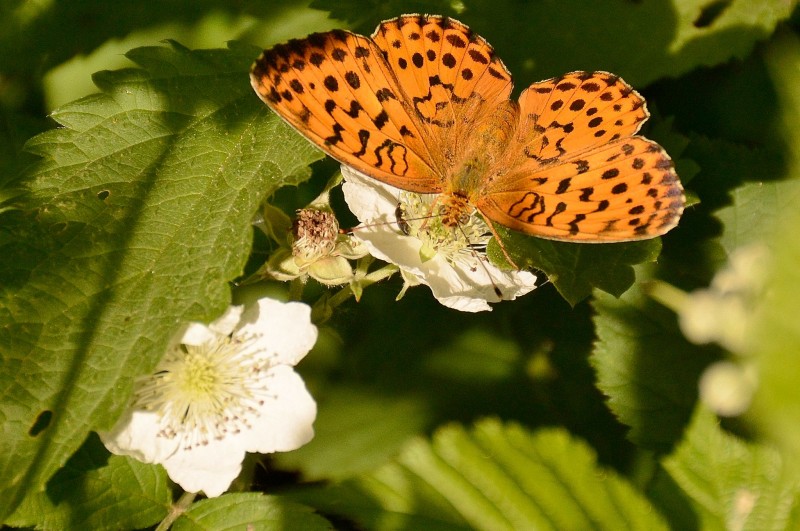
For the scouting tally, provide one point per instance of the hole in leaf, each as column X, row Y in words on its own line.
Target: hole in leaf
column 711, row 13
column 41, row 424
column 102, row 194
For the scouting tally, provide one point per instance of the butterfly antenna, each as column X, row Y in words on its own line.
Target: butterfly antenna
column 401, row 221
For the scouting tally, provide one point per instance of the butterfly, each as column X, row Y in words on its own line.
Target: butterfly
column 424, row 105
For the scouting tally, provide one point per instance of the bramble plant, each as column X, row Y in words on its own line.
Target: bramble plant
column 205, row 322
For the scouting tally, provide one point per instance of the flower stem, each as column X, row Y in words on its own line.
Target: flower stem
column 296, row 287
column 667, row 294
column 178, row 508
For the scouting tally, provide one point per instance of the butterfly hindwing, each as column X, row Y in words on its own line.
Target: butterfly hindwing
column 621, row 191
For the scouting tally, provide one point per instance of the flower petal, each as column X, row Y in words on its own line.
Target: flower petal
column 283, row 329
column 210, row 468
column 198, row 334
column 136, row 434
column 202, row 448
column 286, row 422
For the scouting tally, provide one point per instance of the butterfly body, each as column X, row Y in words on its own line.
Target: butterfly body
column 424, row 105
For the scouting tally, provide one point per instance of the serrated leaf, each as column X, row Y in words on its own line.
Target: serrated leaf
column 575, row 268
column 552, row 37
column 727, row 165
column 733, row 484
column 646, row 368
column 494, row 476
column 134, row 221
column 249, row 511
column 95, row 491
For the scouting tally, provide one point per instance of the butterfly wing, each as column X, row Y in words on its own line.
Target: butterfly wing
column 381, row 105
column 441, row 66
column 337, row 90
column 578, row 172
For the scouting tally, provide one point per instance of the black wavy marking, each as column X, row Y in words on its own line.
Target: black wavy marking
column 389, row 147
column 536, row 206
column 434, row 81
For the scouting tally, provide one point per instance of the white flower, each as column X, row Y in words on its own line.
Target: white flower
column 724, row 312
column 226, row 389
column 727, row 388
column 452, row 262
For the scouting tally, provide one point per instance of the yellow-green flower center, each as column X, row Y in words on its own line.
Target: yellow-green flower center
column 207, row 391
column 460, row 244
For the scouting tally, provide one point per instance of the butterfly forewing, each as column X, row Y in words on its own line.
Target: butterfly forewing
column 565, row 115
column 337, row 90
column 440, row 65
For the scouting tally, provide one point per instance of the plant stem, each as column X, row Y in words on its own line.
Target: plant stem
column 178, row 508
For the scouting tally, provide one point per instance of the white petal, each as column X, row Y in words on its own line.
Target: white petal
column 281, row 328
column 210, row 468
column 227, row 322
column 136, row 435
column 369, row 199
column 199, row 334
column 285, row 423
column 469, row 290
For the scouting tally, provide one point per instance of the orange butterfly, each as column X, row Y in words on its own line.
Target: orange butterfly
column 423, row 105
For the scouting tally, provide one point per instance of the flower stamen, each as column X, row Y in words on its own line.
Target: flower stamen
column 315, row 232
column 462, row 245
column 207, row 391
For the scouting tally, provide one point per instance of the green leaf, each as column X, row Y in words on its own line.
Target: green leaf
column 249, row 511
column 646, row 368
column 755, row 211
column 642, row 41
column 576, row 268
column 364, row 15
column 134, row 221
column 727, row 165
column 777, row 406
column 732, row 484
column 783, row 59
column 375, row 427
column 495, row 476
column 95, row 491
